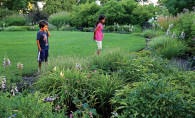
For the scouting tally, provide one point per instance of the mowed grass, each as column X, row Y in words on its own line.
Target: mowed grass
column 22, row 47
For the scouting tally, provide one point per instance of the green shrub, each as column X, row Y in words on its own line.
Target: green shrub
column 59, row 19
column 31, row 105
column 15, row 28
column 51, row 27
column 151, row 99
column 5, row 12
column 109, row 28
column 85, row 29
column 14, row 20
column 81, row 14
column 137, row 28
column 91, row 29
column 73, row 29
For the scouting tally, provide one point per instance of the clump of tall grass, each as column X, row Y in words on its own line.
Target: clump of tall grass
column 164, row 22
column 167, row 46
column 64, row 62
column 158, row 41
column 147, row 33
column 107, row 60
column 173, row 48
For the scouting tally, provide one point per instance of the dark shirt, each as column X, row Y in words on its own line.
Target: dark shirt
column 43, row 40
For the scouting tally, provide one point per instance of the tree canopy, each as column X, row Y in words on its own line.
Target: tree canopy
column 177, row 6
column 18, row 5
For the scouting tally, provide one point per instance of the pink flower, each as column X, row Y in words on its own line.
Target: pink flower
column 89, row 113
column 82, row 111
column 77, row 81
column 56, row 109
column 187, row 54
column 88, row 66
column 71, row 115
column 83, row 80
column 95, row 71
column 84, row 92
column 66, row 79
column 65, row 91
column 84, row 108
column 88, row 75
column 57, row 97
column 70, row 84
column 58, row 106
column 77, row 106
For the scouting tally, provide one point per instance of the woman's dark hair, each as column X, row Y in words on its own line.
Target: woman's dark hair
column 101, row 17
column 42, row 23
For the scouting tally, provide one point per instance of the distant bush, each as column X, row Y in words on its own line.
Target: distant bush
column 81, row 15
column 16, row 28
column 5, row 12
column 51, row 27
column 37, row 15
column 85, row 29
column 65, row 27
column 59, row 19
column 14, row 20
column 73, row 29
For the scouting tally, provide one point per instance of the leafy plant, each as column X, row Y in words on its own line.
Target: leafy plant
column 58, row 19
column 31, row 105
column 153, row 98
column 14, row 20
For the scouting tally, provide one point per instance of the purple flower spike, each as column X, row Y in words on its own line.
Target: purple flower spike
column 183, row 35
column 168, row 32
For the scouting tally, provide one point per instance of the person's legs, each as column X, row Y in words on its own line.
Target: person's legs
column 41, row 59
column 39, row 67
column 99, row 44
column 46, row 57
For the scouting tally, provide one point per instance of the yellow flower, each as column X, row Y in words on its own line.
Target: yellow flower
column 54, row 68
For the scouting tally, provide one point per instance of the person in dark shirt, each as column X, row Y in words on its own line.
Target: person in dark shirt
column 42, row 43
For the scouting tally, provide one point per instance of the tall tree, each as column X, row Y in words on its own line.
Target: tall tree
column 177, row 6
column 54, row 6
column 17, row 5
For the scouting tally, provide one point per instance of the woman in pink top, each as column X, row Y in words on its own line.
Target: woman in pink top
column 98, row 35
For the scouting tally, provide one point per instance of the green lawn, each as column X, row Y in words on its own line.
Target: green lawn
column 22, row 47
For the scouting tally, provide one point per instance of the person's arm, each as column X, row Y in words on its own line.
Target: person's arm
column 38, row 45
column 95, row 32
column 48, row 32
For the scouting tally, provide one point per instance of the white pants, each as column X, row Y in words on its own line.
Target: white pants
column 99, row 44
